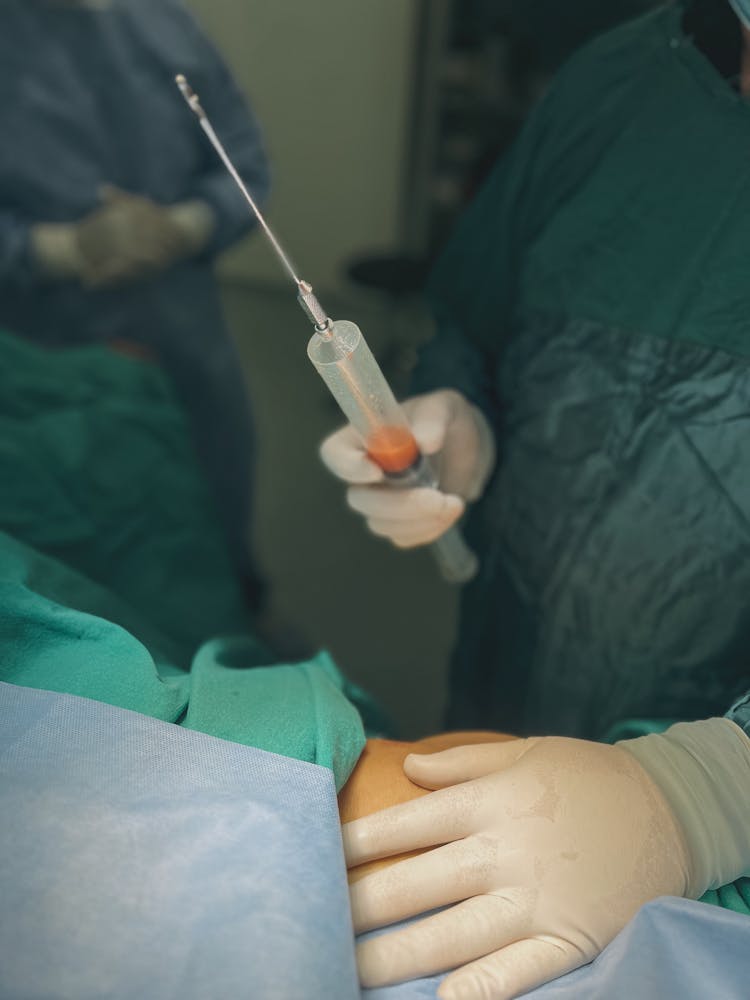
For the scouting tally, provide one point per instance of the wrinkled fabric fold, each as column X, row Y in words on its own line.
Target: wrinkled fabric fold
column 139, row 859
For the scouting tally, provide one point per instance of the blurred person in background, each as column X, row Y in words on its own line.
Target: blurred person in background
column 113, row 208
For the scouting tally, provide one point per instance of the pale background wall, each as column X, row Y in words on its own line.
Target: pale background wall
column 331, row 84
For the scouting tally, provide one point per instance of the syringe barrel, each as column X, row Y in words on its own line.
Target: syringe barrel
column 347, row 366
column 349, row 369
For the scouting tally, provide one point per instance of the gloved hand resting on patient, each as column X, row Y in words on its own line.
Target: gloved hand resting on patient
column 550, row 846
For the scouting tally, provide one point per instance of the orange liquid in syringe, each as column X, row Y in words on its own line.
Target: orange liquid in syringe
column 392, row 448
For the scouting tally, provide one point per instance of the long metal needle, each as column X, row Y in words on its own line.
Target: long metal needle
column 305, row 295
column 195, row 105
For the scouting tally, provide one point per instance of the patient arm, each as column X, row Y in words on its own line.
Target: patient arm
column 378, row 781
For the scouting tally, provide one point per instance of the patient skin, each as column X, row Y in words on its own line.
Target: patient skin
column 378, row 781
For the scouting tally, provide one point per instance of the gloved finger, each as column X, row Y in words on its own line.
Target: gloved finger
column 453, row 937
column 104, row 276
column 389, row 504
column 513, row 971
column 119, row 273
column 113, row 272
column 411, row 534
column 344, row 455
column 486, row 449
column 448, row 874
column 450, row 767
column 156, row 250
column 440, row 818
column 460, row 468
column 429, row 417
column 138, row 256
column 110, row 193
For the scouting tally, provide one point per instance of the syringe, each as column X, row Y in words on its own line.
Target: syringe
column 347, row 366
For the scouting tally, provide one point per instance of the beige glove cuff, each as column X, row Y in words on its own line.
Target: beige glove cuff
column 54, row 247
column 703, row 771
column 486, row 456
column 196, row 221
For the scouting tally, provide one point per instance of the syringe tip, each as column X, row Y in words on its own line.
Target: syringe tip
column 311, row 307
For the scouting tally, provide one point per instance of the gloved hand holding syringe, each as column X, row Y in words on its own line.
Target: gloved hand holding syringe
column 344, row 361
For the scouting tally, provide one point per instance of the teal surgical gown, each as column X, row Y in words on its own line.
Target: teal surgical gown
column 595, row 302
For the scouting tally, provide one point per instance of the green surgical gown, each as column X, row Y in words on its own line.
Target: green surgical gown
column 595, row 302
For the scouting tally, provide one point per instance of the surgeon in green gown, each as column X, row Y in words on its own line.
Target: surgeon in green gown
column 589, row 385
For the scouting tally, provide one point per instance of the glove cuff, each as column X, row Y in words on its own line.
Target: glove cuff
column 703, row 771
column 196, row 221
column 486, row 456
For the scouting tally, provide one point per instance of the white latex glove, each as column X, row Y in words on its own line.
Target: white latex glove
column 127, row 238
column 550, row 847
column 457, row 437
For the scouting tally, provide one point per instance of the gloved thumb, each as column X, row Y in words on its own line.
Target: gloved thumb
column 451, row 767
column 344, row 455
column 429, row 418
column 109, row 193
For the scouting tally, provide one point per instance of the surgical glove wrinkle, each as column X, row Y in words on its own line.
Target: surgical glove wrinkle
column 459, row 441
column 547, row 848
column 127, row 238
